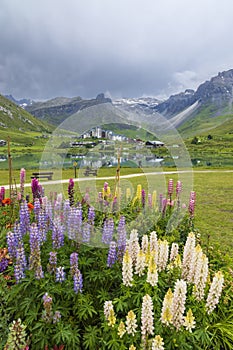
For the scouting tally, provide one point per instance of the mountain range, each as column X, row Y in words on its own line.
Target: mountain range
column 190, row 111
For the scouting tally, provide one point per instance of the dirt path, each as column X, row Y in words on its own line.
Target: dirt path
column 156, row 173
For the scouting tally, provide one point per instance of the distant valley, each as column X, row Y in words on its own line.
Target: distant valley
column 192, row 112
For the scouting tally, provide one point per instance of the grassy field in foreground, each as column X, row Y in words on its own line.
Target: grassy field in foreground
column 214, row 193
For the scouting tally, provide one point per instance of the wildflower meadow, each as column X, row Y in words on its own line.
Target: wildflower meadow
column 127, row 272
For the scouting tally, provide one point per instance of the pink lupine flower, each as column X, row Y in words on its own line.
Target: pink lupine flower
column 170, row 187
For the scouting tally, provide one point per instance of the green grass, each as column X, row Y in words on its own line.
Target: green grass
column 214, row 210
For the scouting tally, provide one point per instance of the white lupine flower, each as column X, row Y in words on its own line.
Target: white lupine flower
column 147, row 316
column 195, row 264
column 214, row 292
column 108, row 305
column 178, row 304
column 188, row 254
column 189, row 321
column 166, row 314
column 145, row 244
column 174, row 251
column 127, row 269
column 109, row 313
column 153, row 241
column 131, row 323
column 140, row 263
column 200, row 278
column 152, row 273
column 163, row 255
column 157, row 343
column 133, row 245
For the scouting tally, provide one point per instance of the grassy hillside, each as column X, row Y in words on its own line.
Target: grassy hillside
column 20, row 125
column 206, row 121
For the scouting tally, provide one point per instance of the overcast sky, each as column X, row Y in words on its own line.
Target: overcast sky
column 125, row 48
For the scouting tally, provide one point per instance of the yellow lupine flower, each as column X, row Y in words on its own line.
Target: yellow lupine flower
column 166, row 315
column 139, row 192
column 189, row 321
column 121, row 329
column 132, row 347
column 177, row 261
column 111, row 318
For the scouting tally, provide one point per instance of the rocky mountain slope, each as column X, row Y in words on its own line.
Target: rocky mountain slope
column 184, row 110
column 215, row 94
column 55, row 111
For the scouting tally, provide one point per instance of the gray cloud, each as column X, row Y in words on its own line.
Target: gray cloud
column 127, row 47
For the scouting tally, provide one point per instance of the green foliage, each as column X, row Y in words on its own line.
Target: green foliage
column 82, row 324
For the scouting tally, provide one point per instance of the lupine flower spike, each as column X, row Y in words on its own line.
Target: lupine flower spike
column 127, row 269
column 131, row 323
column 157, row 343
column 214, row 292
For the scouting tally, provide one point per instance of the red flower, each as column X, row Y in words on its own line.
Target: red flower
column 30, row 206
column 6, row 201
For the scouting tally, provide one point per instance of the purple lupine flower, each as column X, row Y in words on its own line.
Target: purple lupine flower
column 75, row 273
column 47, row 303
column 35, row 254
column 66, row 211
column 22, row 181
column 52, row 262
column 91, row 215
column 47, row 300
column 71, row 192
column 108, row 230
column 143, row 198
column 86, row 198
column 20, row 263
column 56, row 316
column 111, row 254
column 170, row 187
column 73, row 262
column 178, row 192
column 36, row 208
column 105, row 186
column 192, row 201
column 3, row 264
column 86, row 232
column 60, row 274
column 17, row 231
column 150, row 200
column 12, row 243
column 78, row 281
column 39, row 273
column 42, row 225
column 36, row 190
column 164, row 205
column 2, row 193
column 74, row 223
column 49, row 214
column 58, row 205
column 121, row 242
column 57, row 233
column 24, row 218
